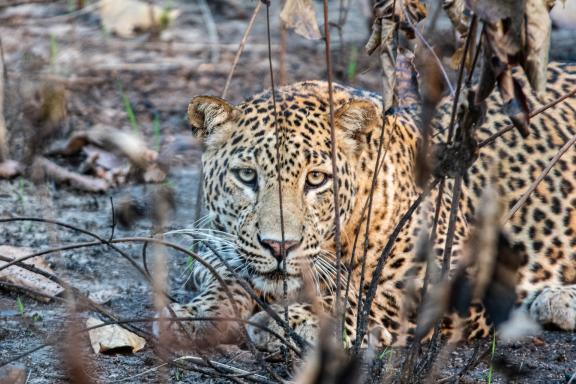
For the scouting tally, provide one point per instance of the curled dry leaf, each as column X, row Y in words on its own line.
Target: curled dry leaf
column 125, row 17
column 300, row 16
column 459, row 15
column 387, row 61
column 389, row 15
column 112, row 338
column 406, row 86
column 28, row 280
column 392, row 11
column 517, row 32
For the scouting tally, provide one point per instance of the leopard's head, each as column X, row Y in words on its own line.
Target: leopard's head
column 246, row 181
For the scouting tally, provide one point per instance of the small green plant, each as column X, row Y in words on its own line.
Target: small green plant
column 53, row 49
column 20, row 306
column 168, row 183
column 189, row 262
column 385, row 353
column 346, row 340
column 178, row 374
column 129, row 110
column 156, row 131
column 492, row 352
column 36, row 317
column 352, row 67
column 130, row 113
column 167, row 7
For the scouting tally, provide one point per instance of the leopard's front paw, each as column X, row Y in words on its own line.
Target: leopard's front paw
column 301, row 320
column 190, row 325
column 556, row 306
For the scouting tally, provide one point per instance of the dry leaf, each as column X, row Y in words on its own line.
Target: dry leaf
column 460, row 18
column 539, row 29
column 456, row 11
column 125, row 17
column 10, row 169
column 406, row 87
column 300, row 15
column 517, row 33
column 26, row 279
column 111, row 338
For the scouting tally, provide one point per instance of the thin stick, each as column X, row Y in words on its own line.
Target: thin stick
column 541, row 177
column 453, row 218
column 279, row 178
column 429, row 47
column 241, row 48
column 211, row 29
column 361, row 328
column 335, row 183
column 83, row 231
column 282, row 53
column 379, row 166
column 460, row 78
column 4, row 153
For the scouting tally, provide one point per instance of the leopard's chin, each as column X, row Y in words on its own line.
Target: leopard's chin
column 273, row 283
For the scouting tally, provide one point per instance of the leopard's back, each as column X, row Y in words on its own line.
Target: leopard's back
column 544, row 228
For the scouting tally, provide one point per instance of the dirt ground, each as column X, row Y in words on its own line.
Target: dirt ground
column 159, row 75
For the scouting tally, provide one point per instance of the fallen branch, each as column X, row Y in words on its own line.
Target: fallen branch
column 57, row 173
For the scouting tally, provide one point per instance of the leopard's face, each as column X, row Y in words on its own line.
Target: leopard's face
column 242, row 185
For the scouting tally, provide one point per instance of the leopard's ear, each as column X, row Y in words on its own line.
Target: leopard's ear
column 355, row 120
column 209, row 115
column 357, row 116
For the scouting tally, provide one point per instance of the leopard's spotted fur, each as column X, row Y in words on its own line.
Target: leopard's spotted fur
column 243, row 137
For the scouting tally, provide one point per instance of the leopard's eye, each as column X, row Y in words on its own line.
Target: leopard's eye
column 246, row 175
column 315, row 179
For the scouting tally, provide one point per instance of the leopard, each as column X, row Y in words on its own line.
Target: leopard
column 269, row 190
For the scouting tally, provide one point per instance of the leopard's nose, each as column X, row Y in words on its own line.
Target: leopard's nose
column 275, row 247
